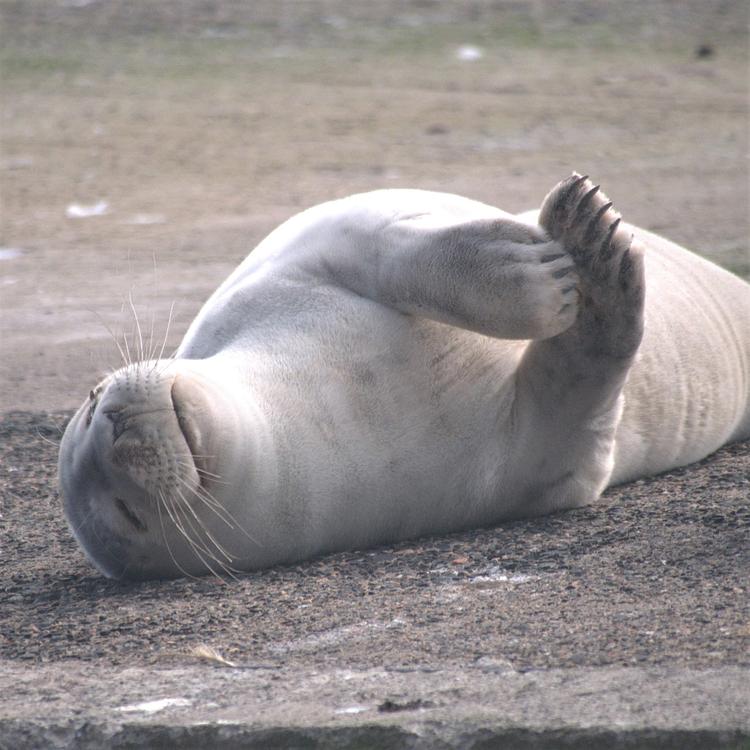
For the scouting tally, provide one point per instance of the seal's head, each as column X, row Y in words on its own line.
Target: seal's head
column 139, row 469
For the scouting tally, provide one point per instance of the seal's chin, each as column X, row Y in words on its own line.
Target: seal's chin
column 135, row 472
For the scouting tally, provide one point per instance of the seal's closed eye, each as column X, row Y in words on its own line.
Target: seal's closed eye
column 129, row 515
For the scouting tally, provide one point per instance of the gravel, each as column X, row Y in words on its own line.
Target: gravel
column 656, row 573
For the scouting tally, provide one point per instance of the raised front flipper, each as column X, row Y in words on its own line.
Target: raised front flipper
column 449, row 259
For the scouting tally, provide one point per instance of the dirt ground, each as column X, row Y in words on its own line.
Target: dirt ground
column 656, row 573
column 197, row 127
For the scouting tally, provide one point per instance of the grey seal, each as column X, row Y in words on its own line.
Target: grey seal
column 403, row 363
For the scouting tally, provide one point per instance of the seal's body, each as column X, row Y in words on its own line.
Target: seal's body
column 402, row 363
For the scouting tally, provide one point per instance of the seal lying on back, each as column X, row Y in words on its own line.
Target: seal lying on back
column 402, row 363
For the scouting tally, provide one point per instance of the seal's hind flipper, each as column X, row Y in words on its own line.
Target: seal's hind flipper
column 569, row 386
column 609, row 263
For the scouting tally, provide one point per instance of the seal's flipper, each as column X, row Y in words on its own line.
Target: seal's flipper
column 609, row 263
column 498, row 277
column 490, row 274
column 569, row 387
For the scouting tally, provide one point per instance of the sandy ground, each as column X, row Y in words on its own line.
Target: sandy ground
column 197, row 127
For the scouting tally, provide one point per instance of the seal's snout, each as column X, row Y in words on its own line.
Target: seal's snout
column 145, row 435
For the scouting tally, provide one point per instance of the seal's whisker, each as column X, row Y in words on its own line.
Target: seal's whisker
column 202, row 491
column 212, row 504
column 228, row 569
column 57, row 426
column 163, row 364
column 166, row 334
column 182, row 504
column 112, row 336
column 161, row 500
column 173, row 516
column 150, row 348
column 151, row 344
column 141, row 352
column 205, row 495
column 128, row 358
column 201, row 523
column 45, row 439
column 221, row 511
column 197, row 548
column 204, row 473
column 77, row 527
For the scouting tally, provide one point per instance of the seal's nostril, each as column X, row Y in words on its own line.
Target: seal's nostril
column 118, row 421
column 132, row 518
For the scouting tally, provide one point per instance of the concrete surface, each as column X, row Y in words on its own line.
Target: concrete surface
column 83, row 705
